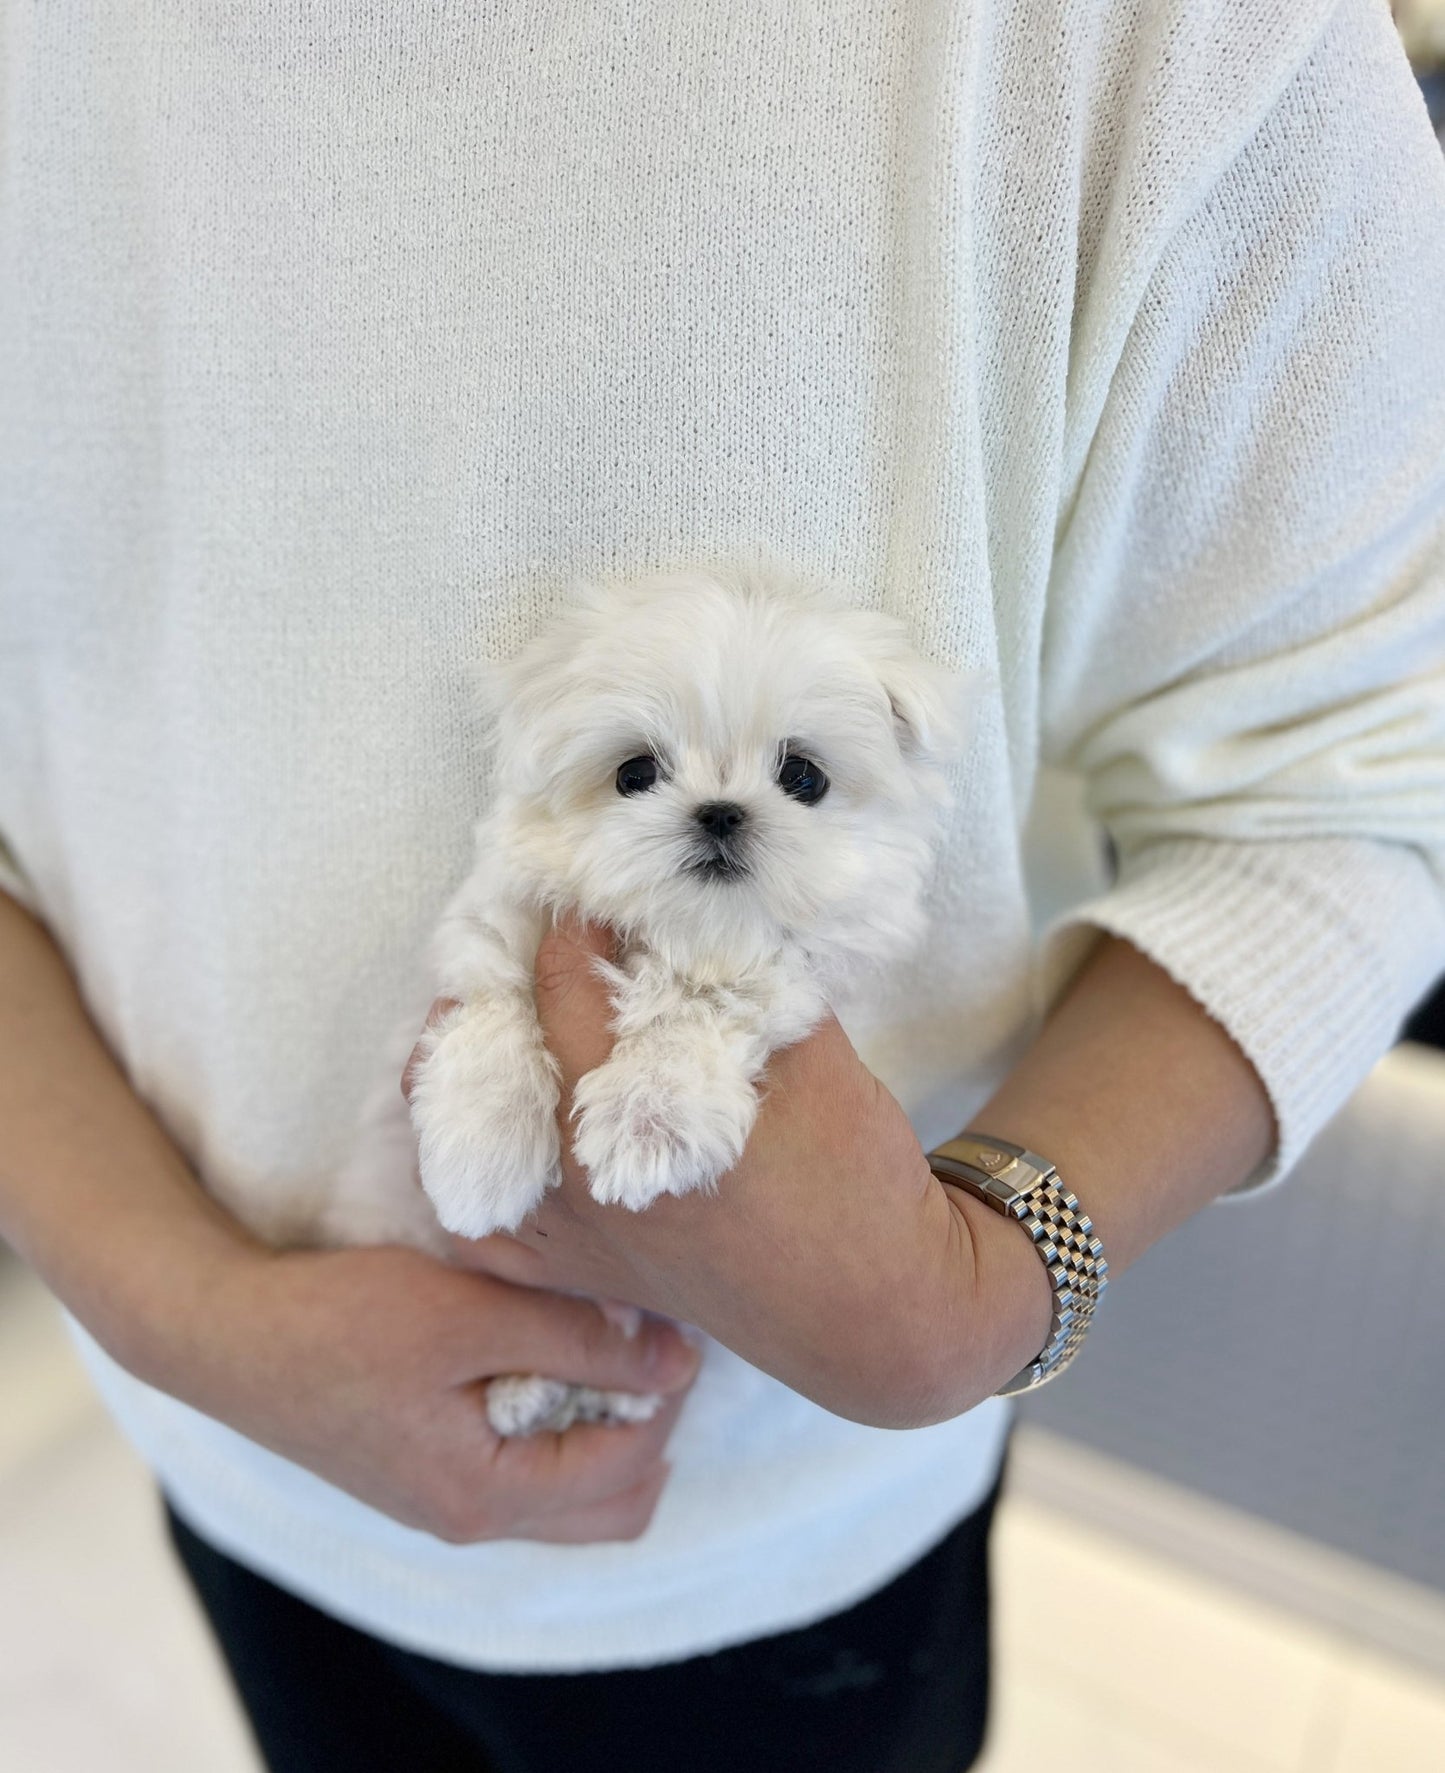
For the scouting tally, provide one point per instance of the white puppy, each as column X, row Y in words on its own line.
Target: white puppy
column 743, row 779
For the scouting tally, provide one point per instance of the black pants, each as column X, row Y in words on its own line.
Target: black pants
column 897, row 1684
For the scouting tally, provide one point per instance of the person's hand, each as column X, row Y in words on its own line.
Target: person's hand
column 368, row 1367
column 830, row 1256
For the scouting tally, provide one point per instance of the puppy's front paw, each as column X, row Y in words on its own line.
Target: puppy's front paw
column 647, row 1127
column 484, row 1104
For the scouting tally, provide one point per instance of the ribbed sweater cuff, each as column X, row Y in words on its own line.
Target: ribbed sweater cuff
column 1309, row 952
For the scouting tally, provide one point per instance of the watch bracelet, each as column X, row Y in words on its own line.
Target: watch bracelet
column 1026, row 1187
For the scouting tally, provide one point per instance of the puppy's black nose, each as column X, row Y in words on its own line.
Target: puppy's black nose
column 720, row 818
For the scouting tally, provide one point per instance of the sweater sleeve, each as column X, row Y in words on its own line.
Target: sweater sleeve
column 1244, row 652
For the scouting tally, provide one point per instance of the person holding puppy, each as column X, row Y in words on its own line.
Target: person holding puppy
column 1095, row 345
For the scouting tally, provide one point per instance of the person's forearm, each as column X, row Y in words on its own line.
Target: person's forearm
column 832, row 1258
column 93, row 1194
column 1147, row 1108
column 365, row 1366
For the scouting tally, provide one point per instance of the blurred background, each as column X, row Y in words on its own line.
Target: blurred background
column 1422, row 28
column 1245, row 1473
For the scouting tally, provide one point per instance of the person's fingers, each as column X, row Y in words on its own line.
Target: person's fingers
column 624, row 1516
column 528, row 1330
column 622, row 1316
column 442, row 1006
column 547, row 1475
column 503, row 1256
column 573, row 1003
column 524, row 1488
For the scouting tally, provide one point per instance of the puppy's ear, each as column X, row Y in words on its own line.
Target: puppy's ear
column 930, row 706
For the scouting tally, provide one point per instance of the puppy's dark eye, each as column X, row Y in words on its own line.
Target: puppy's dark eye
column 802, row 779
column 637, row 775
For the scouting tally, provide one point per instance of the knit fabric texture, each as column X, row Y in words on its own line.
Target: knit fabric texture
column 1100, row 342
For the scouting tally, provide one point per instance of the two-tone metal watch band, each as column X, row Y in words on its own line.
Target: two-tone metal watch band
column 1026, row 1187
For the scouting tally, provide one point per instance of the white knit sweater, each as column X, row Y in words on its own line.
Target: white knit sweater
column 1104, row 340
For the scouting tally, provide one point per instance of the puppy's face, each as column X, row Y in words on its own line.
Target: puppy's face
column 713, row 764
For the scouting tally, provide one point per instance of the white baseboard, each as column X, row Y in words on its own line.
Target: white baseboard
column 1345, row 1594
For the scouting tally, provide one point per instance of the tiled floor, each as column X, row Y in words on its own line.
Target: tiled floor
column 104, row 1668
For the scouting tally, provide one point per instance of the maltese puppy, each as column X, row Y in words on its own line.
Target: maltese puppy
column 743, row 780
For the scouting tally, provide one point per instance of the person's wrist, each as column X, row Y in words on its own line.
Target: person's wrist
column 1012, row 1297
column 174, row 1310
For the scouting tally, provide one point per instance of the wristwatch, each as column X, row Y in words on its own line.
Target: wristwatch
column 1026, row 1187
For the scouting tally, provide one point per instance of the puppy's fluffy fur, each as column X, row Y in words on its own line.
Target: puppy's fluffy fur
column 743, row 780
